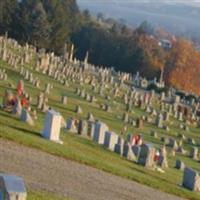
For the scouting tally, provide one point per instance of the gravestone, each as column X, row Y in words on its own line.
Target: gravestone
column 154, row 134
column 148, row 109
column 177, row 99
column 119, row 146
column 139, row 123
column 91, row 127
column 136, row 150
column 25, row 116
column 110, row 140
column 99, row 132
column 159, row 120
column 83, row 127
column 146, row 155
column 52, row 126
column 186, row 128
column 40, row 100
column 34, row 114
column 17, row 109
column 107, row 108
column 191, row 179
column 182, row 136
column 194, row 153
column 125, row 118
column 90, row 117
column 45, row 106
column 78, row 109
column 47, row 88
column 162, row 97
column 181, row 150
column 92, row 99
column 71, row 126
column 12, row 188
column 180, row 165
column 64, row 100
column 191, row 141
column 128, row 152
column 166, row 128
column 166, row 116
column 162, row 161
column 180, row 116
column 173, row 143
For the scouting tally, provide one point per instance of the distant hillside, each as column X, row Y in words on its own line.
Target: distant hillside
column 179, row 18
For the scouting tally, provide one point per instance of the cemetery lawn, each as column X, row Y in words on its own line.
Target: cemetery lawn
column 83, row 150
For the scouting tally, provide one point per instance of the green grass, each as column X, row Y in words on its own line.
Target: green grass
column 83, row 150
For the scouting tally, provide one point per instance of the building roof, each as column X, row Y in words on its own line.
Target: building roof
column 13, row 184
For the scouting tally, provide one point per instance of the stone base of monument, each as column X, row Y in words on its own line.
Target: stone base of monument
column 58, row 141
column 52, row 140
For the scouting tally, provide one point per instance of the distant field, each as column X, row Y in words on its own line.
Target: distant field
column 83, row 150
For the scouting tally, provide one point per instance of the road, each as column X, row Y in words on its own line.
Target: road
column 44, row 172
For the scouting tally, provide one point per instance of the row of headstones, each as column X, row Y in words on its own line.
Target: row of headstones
column 89, row 98
column 125, row 118
column 28, row 76
column 171, row 106
column 105, row 71
column 112, row 141
column 24, row 54
column 172, row 142
column 160, row 119
column 106, row 106
column 178, row 146
column 86, row 96
column 99, row 133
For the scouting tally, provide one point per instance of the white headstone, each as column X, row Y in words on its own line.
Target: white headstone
column 99, row 132
column 110, row 140
column 52, row 126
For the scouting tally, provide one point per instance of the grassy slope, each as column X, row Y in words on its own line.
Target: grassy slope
column 85, row 151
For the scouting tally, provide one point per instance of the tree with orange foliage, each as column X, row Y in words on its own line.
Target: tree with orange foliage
column 183, row 67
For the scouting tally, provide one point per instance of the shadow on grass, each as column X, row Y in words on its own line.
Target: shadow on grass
column 9, row 115
column 56, row 104
column 26, row 131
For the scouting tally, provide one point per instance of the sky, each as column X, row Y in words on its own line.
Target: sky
column 188, row 2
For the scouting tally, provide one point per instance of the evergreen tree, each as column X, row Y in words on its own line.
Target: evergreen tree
column 62, row 15
column 40, row 27
column 7, row 9
column 33, row 26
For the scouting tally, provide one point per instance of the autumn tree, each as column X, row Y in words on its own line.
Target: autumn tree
column 183, row 67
